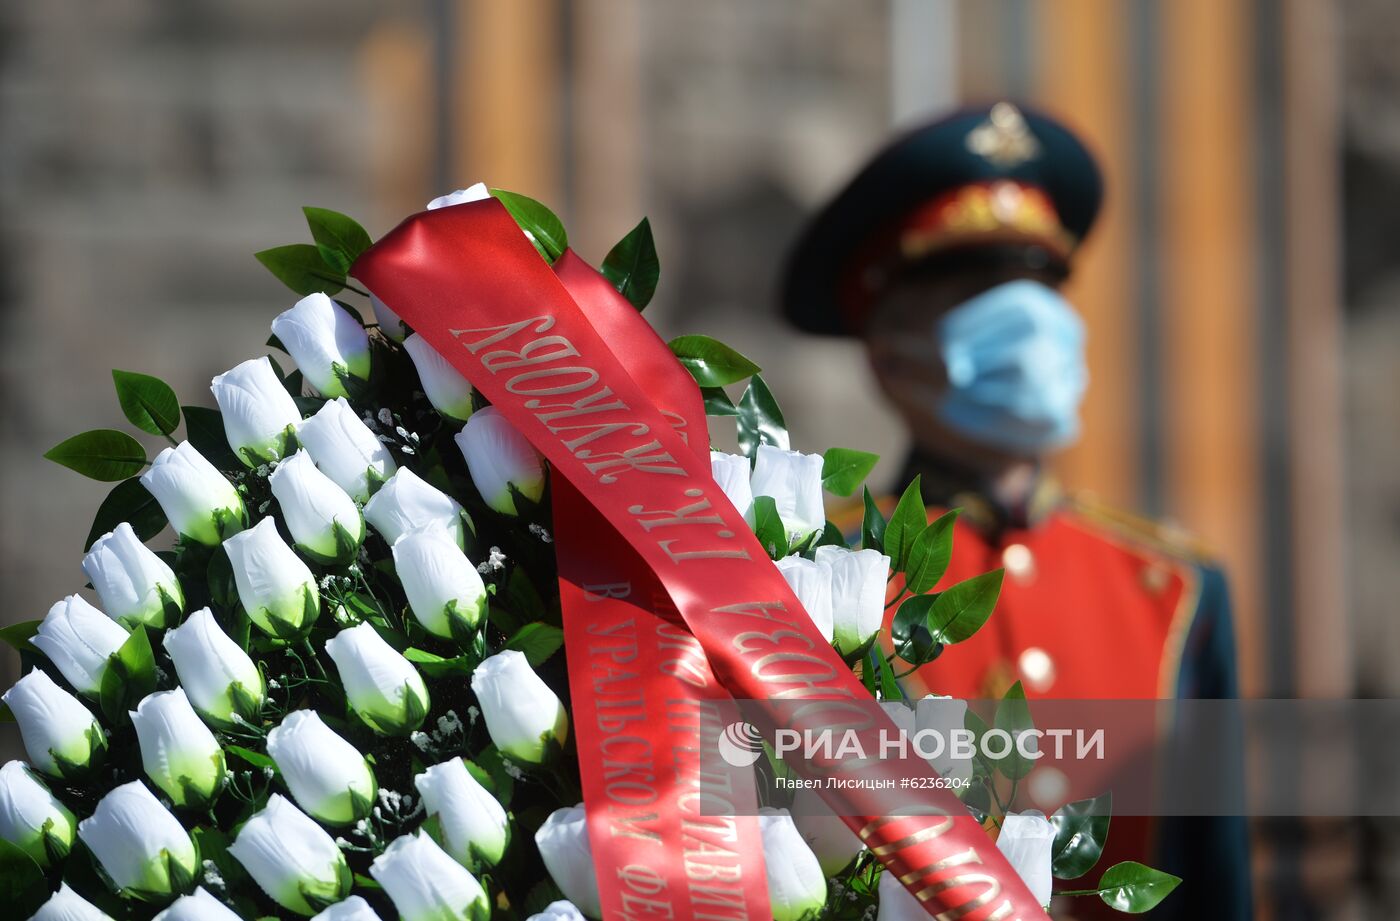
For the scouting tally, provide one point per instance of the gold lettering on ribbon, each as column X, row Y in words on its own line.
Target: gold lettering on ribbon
column 501, row 333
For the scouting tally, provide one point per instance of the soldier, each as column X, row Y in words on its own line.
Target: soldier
column 945, row 255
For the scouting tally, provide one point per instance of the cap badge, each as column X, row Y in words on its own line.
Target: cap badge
column 1004, row 138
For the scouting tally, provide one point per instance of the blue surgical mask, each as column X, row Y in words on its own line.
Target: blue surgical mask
column 1014, row 357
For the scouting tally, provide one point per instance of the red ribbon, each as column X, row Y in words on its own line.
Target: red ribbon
column 636, row 504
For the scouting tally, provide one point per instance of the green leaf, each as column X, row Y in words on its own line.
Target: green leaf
column 538, row 641
column 909, row 520
column 872, row 525
column 129, row 502
column 1013, row 716
column 633, row 267
column 256, row 759
column 711, row 362
column 17, row 636
column 768, row 527
column 717, row 402
column 435, row 666
column 1081, row 830
column 913, row 638
column 545, row 229
column 204, row 429
column 148, row 402
column 930, row 554
column 22, row 888
column 130, row 675
column 843, row 469
column 962, row 609
column 760, row 419
column 301, row 267
column 102, row 454
column 889, row 687
column 339, row 239
column 1134, row 888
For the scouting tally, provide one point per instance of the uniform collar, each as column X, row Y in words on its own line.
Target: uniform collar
column 947, row 485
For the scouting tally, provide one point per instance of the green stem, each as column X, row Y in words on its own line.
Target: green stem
column 1080, row 892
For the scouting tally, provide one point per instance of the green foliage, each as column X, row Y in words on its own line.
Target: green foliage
column 633, row 266
column 301, row 267
column 768, row 527
column 1081, row 830
column 102, row 454
column 905, row 525
column 204, row 429
column 760, row 419
column 963, row 608
column 1135, row 888
column 711, row 362
column 538, row 641
column 1013, row 717
column 544, row 228
column 18, row 636
column 717, row 402
column 872, row 524
column 130, row 675
column 843, row 469
column 148, row 402
column 930, row 554
column 127, row 502
column 339, row 239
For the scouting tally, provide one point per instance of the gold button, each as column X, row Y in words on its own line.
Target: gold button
column 1155, row 578
column 1018, row 562
column 1037, row 669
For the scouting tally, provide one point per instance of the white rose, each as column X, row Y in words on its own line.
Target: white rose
column 859, row 579
column 178, row 752
column 944, row 716
column 383, row 687
column 197, row 906
column 568, row 856
column 275, row 586
column 562, row 910
column 796, row 883
column 1027, row 841
column 67, row 905
column 291, row 858
column 140, row 845
column 427, row 885
column 325, row 341
column 794, row 482
column 475, row 192
column 79, row 640
column 135, row 585
column 474, row 826
column 345, row 450
column 500, row 459
column 406, row 502
column 60, row 735
column 896, row 902
column 444, row 589
column 826, row 834
column 446, row 388
column 352, row 909
column 328, row 776
column 390, row 323
column 31, row 818
column 731, row 473
column 323, row 519
column 219, row 678
column 523, row 716
column 260, row 417
column 199, row 502
column 810, row 581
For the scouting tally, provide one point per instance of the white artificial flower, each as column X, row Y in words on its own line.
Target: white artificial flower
column 446, row 388
column 67, row 905
column 323, row 519
column 197, row 906
column 859, row 579
column 474, row 826
column 260, row 416
column 896, row 902
column 31, row 818
column 140, row 845
column 219, row 678
column 427, row 885
column 352, row 909
column 500, row 459
column 406, row 502
column 826, row 834
column 197, row 499
column 794, row 482
column 796, row 883
column 475, row 192
column 60, row 735
column 275, row 586
column 810, row 581
column 731, row 473
column 291, row 858
column 1027, row 842
column 390, row 323
column 178, row 752
column 568, row 856
column 562, row 910
column 345, row 450
column 134, row 585
column 943, row 716
column 383, row 687
column 442, row 585
column 325, row 341
column 79, row 640
column 523, row 716
column 328, row 776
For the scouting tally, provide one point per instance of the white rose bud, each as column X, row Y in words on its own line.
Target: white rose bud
column 794, row 482
column 944, row 715
column 475, row 830
column 219, row 678
column 810, row 581
column 829, row 838
column 383, row 687
column 67, row 905
column 568, row 856
column 60, row 735
column 406, row 502
column 390, row 324
column 291, row 858
column 140, row 845
column 475, row 192
column 323, row 519
column 199, row 502
column 731, row 473
column 31, row 818
column 328, row 776
column 197, row 906
column 260, row 417
column 523, row 716
column 501, row 461
column 427, row 885
column 446, row 388
column 896, row 902
column 79, row 640
column 352, row 909
column 135, row 585
column 275, row 586
column 1027, row 841
column 859, row 579
column 562, row 910
column 444, row 589
column 325, row 341
column 345, row 450
column 178, row 752
column 796, row 883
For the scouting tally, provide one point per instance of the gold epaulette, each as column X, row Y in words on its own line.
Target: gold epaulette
column 1163, row 537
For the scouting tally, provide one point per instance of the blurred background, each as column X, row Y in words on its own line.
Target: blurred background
column 1242, row 288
